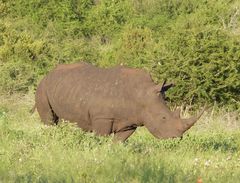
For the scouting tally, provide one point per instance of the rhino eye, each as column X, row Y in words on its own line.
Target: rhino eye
column 163, row 117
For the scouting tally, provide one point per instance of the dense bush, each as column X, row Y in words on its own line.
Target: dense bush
column 210, row 72
column 194, row 43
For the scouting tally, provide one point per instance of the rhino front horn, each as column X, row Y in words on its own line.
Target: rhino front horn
column 188, row 123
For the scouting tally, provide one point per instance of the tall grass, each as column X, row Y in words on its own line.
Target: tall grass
column 32, row 152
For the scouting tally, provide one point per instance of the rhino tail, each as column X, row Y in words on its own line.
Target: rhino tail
column 33, row 109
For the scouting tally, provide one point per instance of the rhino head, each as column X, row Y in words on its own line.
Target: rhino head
column 160, row 120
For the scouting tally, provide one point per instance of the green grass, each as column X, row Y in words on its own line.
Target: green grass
column 32, row 152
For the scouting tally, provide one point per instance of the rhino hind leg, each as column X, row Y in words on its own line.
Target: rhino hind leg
column 46, row 113
column 44, row 108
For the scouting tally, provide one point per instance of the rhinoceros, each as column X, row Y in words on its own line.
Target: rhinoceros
column 108, row 100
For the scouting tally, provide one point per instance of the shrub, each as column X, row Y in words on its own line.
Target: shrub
column 193, row 43
column 203, row 63
column 133, row 48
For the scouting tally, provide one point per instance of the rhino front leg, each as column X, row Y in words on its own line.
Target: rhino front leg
column 123, row 135
column 102, row 126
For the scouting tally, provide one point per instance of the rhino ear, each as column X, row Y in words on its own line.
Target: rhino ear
column 162, row 88
column 165, row 86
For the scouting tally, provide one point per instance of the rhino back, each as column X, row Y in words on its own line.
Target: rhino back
column 81, row 91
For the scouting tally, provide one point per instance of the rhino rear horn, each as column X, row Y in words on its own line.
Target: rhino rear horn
column 177, row 112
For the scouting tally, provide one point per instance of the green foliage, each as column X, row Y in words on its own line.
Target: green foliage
column 133, row 48
column 209, row 73
column 108, row 17
column 194, row 43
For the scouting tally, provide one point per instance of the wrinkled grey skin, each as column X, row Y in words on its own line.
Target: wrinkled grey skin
column 105, row 101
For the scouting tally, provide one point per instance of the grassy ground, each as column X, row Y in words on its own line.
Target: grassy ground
column 32, row 152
